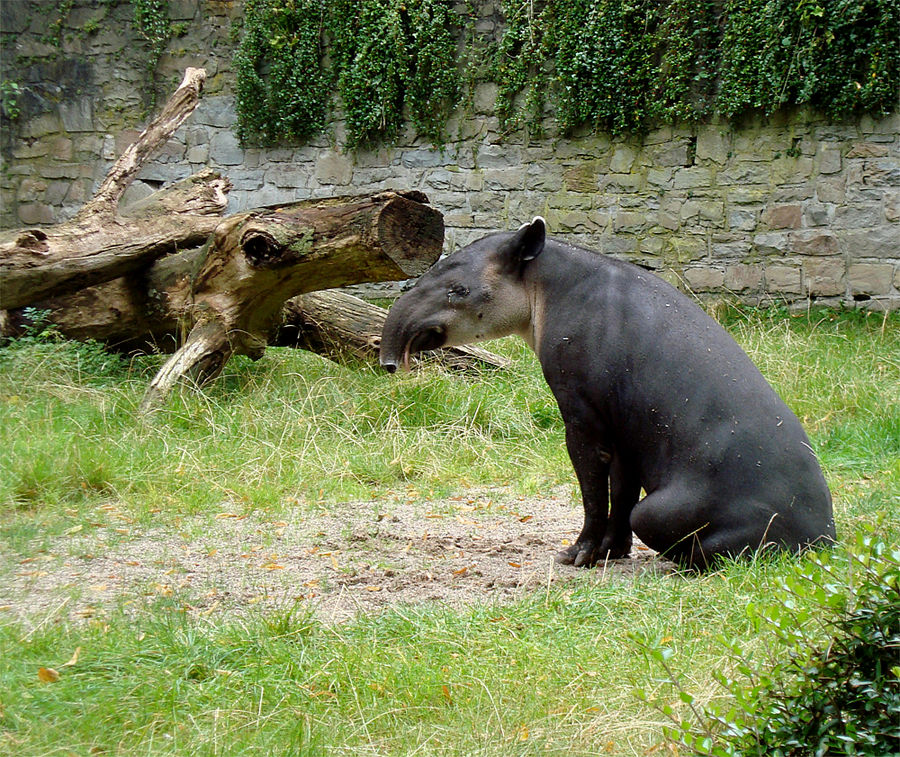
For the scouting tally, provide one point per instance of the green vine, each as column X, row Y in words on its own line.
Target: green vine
column 624, row 65
column 283, row 87
column 387, row 57
column 616, row 65
column 519, row 68
column 151, row 22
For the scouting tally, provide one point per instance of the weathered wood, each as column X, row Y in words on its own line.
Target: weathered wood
column 256, row 261
column 97, row 244
column 340, row 326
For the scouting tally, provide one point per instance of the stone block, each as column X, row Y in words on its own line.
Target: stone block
column 215, row 111
column 225, row 150
column 791, row 170
column 742, row 219
column 783, row 216
column 880, row 242
column 622, row 159
column 332, row 168
column 712, row 144
column 684, row 248
column 136, row 191
column 545, row 177
column 56, row 192
column 792, row 193
column 692, row 178
column 823, row 276
column 868, row 150
column 630, row 221
column 31, row 189
column 423, row 158
column 672, row 154
column 497, row 156
column 287, row 176
column 857, row 216
column 660, row 177
column 782, row 278
column 26, row 149
column 198, row 154
column 622, row 182
column 77, row 115
column 36, row 213
column 712, row 213
column 503, row 179
column 704, row 279
column 618, row 244
column 744, row 172
column 742, row 278
column 817, row 214
column 892, row 206
column 485, row 98
column 829, row 158
column 773, row 243
column 814, row 242
column 40, row 126
column 870, row 278
column 583, row 177
column 831, row 190
column 729, row 247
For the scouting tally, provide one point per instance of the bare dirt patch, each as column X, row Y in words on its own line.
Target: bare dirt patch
column 347, row 559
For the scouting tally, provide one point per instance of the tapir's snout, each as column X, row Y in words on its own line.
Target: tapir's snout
column 390, row 366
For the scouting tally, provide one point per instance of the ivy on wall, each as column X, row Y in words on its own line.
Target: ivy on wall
column 616, row 65
column 388, row 58
column 283, row 87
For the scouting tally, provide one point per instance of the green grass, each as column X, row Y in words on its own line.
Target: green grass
column 551, row 674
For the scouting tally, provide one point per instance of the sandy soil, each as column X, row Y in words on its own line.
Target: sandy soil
column 347, row 559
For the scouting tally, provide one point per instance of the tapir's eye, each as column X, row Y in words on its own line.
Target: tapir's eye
column 457, row 292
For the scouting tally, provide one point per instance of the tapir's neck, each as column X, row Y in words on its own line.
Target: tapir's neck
column 552, row 275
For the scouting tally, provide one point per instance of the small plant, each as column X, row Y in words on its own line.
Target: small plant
column 9, row 99
column 832, row 683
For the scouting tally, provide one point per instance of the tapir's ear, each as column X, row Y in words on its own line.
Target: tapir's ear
column 528, row 242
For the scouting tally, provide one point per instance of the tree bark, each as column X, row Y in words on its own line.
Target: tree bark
column 256, row 261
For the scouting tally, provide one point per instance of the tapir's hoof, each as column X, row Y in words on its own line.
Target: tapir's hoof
column 587, row 554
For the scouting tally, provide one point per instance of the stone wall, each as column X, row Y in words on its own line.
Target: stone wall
column 785, row 209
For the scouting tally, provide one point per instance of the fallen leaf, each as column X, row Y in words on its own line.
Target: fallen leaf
column 525, row 518
column 373, row 588
column 74, row 658
column 462, row 570
column 48, row 675
column 73, row 530
column 514, row 565
column 273, row 566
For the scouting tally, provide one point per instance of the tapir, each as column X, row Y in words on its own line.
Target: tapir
column 653, row 393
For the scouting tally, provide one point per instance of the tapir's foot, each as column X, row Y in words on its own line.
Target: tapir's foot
column 587, row 553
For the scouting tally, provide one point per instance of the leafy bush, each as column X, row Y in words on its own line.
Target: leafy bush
column 832, row 683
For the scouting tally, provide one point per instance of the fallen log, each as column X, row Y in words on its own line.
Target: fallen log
column 168, row 274
column 338, row 325
column 256, row 261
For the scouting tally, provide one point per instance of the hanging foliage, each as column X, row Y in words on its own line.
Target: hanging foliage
column 615, row 65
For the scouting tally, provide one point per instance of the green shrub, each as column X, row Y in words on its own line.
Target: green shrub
column 831, row 684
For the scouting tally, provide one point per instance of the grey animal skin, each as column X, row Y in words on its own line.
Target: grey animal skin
column 655, row 395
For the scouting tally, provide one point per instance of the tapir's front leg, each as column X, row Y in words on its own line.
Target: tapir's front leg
column 591, row 460
column 624, row 490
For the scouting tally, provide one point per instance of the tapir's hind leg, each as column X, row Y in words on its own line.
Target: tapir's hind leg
column 686, row 528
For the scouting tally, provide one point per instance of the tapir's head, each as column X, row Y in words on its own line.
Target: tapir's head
column 476, row 293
